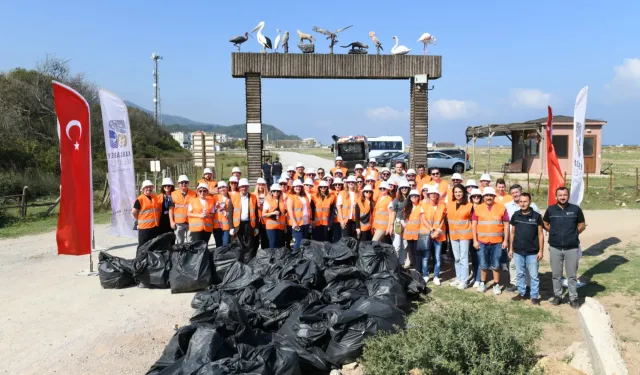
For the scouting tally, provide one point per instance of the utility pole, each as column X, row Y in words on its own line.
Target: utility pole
column 157, row 114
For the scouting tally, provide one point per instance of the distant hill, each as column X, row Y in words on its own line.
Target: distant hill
column 183, row 124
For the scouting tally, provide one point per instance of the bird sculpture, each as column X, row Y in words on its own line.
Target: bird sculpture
column 277, row 45
column 376, row 42
column 239, row 39
column 427, row 38
column 263, row 40
column 285, row 42
column 330, row 35
column 399, row 50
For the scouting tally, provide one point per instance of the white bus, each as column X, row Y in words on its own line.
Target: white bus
column 379, row 145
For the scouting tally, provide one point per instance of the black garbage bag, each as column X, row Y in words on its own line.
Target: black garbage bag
column 115, row 272
column 234, row 366
column 207, row 345
column 262, row 262
column 152, row 267
column 315, row 251
column 204, row 297
column 387, row 286
column 413, row 282
column 237, row 277
column 344, row 284
column 303, row 271
column 376, row 257
column 175, row 349
column 163, row 242
column 340, row 254
column 309, row 325
column 274, row 318
column 313, row 360
column 191, row 267
column 340, row 273
column 279, row 359
column 282, row 294
column 224, row 257
column 350, row 242
column 232, row 318
column 206, row 304
column 387, row 316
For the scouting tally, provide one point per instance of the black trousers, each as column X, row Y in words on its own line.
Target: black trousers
column 248, row 241
column 350, row 229
column 365, row 235
column 201, row 236
column 145, row 235
column 288, row 237
column 262, row 241
column 320, row 233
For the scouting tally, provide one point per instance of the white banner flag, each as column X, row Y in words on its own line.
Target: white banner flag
column 122, row 182
column 577, row 174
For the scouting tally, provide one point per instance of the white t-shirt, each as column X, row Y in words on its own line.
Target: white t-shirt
column 244, row 214
column 352, row 197
column 305, row 213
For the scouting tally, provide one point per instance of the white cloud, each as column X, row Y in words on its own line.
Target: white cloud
column 451, row 109
column 530, row 98
column 387, row 114
column 626, row 80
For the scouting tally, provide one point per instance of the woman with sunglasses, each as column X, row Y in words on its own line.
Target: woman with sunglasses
column 233, row 186
column 181, row 198
column 309, row 188
column 397, row 217
column 432, row 231
column 383, row 211
column 321, row 205
column 476, row 199
column 411, row 214
column 285, row 187
column 201, row 212
column 336, row 227
column 273, row 212
column 459, row 219
column 346, row 203
column 470, row 185
column 260, row 191
column 393, row 188
column 166, row 215
column 223, row 220
column 364, row 214
column 299, row 212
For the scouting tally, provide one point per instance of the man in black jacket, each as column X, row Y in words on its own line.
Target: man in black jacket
column 564, row 222
column 276, row 170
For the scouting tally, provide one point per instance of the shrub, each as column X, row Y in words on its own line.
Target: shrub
column 453, row 337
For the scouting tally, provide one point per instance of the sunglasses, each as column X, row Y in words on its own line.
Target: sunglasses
column 202, row 191
column 324, row 187
column 276, row 192
column 183, row 183
column 472, row 186
column 457, row 181
column 435, row 174
column 382, row 189
column 368, row 192
column 320, row 173
column 360, row 182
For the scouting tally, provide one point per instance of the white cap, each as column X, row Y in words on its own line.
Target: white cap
column 456, row 176
column 275, row 187
column 310, row 171
column 471, row 183
column 338, row 171
column 297, row 183
column 433, row 190
column 261, row 181
column 392, row 182
column 411, row 171
column 222, row 184
column 183, row 177
column 308, row 181
column 403, row 184
column 291, row 169
column 475, row 191
column 236, row 170
column 337, row 180
column 328, row 177
column 283, row 179
column 323, row 184
column 384, row 185
column 414, row 192
column 338, row 158
column 207, row 170
column 367, row 188
column 488, row 191
column 167, row 181
column 485, row 177
column 202, row 185
column 372, row 160
column 145, row 184
column 299, row 164
column 358, row 166
column 233, row 179
column 385, row 169
column 371, row 177
column 426, row 187
column 351, row 179
column 243, row 182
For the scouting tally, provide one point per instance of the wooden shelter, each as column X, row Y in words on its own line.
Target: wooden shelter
column 418, row 69
column 528, row 144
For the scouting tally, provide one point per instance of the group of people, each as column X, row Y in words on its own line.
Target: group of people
column 486, row 227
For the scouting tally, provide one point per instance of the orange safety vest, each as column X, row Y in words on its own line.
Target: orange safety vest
column 346, row 208
column 150, row 211
column 197, row 224
column 365, row 215
column 323, row 207
column 435, row 217
column 372, row 171
column 459, row 221
column 381, row 214
column 181, row 203
column 443, row 187
column 299, row 176
column 236, row 200
column 298, row 211
column 335, row 207
column 503, row 199
column 220, row 220
column 212, row 184
column 412, row 226
column 421, row 181
column 257, row 195
column 343, row 169
column 490, row 224
column 271, row 223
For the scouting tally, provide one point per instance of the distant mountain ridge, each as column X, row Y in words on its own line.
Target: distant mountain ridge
column 178, row 123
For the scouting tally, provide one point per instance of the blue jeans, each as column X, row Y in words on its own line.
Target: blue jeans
column 424, row 244
column 221, row 237
column 276, row 238
column 336, row 232
column 489, row 256
column 475, row 262
column 275, row 179
column 298, row 236
column 527, row 263
column 460, row 249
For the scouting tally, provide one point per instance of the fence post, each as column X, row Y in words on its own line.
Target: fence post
column 611, row 181
column 528, row 185
column 636, row 180
column 23, row 209
column 587, row 187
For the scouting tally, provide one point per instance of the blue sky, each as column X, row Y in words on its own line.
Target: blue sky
column 503, row 61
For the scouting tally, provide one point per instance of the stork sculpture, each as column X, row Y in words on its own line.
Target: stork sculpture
column 263, row 40
column 427, row 38
column 239, row 39
column 376, row 42
column 275, row 47
column 285, row 42
column 330, row 35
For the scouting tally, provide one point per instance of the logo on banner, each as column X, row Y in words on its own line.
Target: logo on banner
column 117, row 133
column 113, row 139
column 578, row 139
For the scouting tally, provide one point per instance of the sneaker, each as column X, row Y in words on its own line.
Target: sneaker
column 426, row 279
column 511, row 289
column 481, row 288
column 436, row 280
column 455, row 282
column 496, row 290
column 518, row 298
column 462, row 286
column 535, row 301
column 476, row 284
column 556, row 301
column 574, row 304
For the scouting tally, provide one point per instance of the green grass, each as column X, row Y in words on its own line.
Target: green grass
column 616, row 270
column 36, row 222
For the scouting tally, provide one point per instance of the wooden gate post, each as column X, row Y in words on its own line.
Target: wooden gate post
column 253, row 87
column 23, row 204
column 419, row 123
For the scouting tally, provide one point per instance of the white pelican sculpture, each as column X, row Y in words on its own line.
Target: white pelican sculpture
column 277, row 45
column 263, row 40
column 427, row 38
column 399, row 50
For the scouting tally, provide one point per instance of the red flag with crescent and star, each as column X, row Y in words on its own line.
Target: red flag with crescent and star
column 556, row 179
column 75, row 221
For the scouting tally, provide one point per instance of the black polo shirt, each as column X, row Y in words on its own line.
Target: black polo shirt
column 525, row 239
column 563, row 225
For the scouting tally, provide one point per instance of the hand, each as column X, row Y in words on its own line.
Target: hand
column 505, row 244
column 256, row 231
column 476, row 245
column 358, row 232
column 510, row 254
column 389, row 230
column 539, row 256
column 173, row 225
column 343, row 225
column 232, row 231
column 203, row 215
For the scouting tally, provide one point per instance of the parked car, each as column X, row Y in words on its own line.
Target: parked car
column 454, row 152
column 440, row 160
column 403, row 157
column 384, row 158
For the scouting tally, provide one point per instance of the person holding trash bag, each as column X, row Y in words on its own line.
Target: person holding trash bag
column 200, row 212
column 223, row 217
column 321, row 205
column 432, row 230
column 299, row 212
column 166, row 216
column 364, row 214
column 411, row 223
column 245, row 219
column 181, row 200
column 146, row 212
column 346, row 203
column 459, row 219
column 273, row 213
column 261, row 192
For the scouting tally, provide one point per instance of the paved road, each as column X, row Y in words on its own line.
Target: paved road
column 288, row 158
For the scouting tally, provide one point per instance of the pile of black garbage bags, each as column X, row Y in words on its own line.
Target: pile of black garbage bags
column 281, row 313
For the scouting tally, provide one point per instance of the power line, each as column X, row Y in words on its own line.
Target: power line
column 157, row 113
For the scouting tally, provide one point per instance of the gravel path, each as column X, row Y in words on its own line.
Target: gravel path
column 310, row 161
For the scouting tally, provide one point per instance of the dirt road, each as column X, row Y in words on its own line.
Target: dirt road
column 55, row 322
column 309, row 161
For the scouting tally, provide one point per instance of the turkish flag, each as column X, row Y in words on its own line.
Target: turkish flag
column 556, row 179
column 75, row 221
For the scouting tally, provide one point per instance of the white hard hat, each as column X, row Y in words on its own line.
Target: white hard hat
column 308, row 181
column 485, row 177
column 337, row 180
column 371, row 177
column 392, row 182
column 372, row 160
column 426, row 187
column 403, row 184
column 233, row 179
column 299, row 164
column 414, row 192
column 207, row 170
column 310, row 171
column 338, row 158
column 384, row 185
column 358, row 166
column 243, row 182
column 222, row 184
column 275, row 187
column 261, row 181
column 167, row 181
column 433, row 190
column 411, row 171
column 488, row 191
column 202, row 185
column 323, row 184
column 471, row 183
column 297, row 183
column 291, row 169
column 475, row 191
column 351, row 179
column 367, row 188
column 236, row 170
column 328, row 177
column 183, row 178
column 146, row 183
column 385, row 169
column 283, row 179
column 456, row 176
